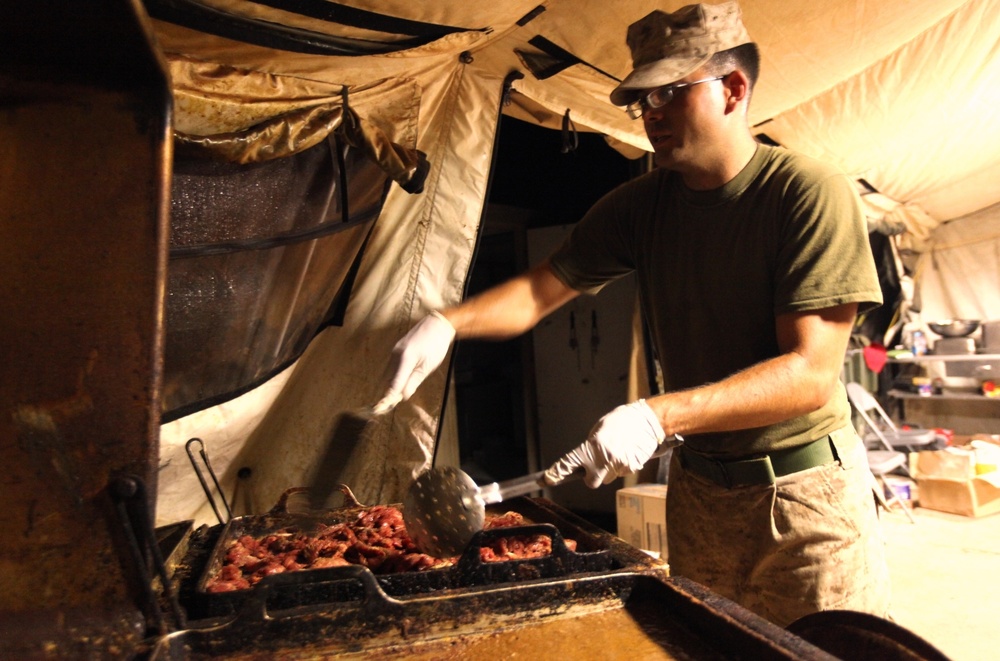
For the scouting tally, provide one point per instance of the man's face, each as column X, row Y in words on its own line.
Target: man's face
column 686, row 131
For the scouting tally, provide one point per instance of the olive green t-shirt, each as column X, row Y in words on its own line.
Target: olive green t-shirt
column 714, row 267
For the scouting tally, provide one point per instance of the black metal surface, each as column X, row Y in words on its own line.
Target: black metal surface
column 672, row 616
column 131, row 499
column 853, row 635
column 173, row 540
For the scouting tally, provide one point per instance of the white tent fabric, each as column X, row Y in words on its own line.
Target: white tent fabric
column 960, row 273
column 921, row 125
column 901, row 93
column 417, row 260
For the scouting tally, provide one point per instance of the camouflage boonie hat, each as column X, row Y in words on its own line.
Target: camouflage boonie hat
column 666, row 47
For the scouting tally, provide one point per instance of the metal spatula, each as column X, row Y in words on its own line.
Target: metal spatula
column 444, row 508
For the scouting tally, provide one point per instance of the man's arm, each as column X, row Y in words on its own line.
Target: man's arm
column 797, row 382
column 501, row 312
column 510, row 308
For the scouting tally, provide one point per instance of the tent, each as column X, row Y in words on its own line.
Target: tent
column 900, row 94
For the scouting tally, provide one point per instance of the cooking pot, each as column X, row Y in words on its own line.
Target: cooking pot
column 954, row 327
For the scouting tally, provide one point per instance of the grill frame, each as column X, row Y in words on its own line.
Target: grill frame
column 702, row 624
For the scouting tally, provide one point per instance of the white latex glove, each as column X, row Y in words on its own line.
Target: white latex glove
column 417, row 354
column 620, row 443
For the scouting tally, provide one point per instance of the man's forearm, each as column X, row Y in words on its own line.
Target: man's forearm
column 798, row 381
column 765, row 394
column 510, row 308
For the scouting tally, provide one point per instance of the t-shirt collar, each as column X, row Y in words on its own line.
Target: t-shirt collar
column 727, row 191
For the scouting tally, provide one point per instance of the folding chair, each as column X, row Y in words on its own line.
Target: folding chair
column 882, row 427
column 881, row 463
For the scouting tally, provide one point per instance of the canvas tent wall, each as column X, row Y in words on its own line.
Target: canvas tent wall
column 901, row 94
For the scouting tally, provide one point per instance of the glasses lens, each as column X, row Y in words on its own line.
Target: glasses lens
column 634, row 109
column 660, row 97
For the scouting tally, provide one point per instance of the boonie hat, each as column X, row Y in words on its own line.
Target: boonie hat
column 666, row 47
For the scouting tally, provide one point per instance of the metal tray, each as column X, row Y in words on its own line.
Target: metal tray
column 597, row 551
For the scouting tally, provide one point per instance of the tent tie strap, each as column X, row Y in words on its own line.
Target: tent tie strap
column 570, row 139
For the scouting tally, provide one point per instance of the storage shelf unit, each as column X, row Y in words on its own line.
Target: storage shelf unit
column 967, row 396
column 947, row 358
column 965, row 411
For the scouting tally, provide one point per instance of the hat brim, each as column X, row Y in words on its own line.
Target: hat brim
column 654, row 74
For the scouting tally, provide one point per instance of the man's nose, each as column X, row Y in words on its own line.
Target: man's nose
column 653, row 114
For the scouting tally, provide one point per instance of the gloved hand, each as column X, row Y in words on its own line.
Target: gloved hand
column 620, row 443
column 416, row 355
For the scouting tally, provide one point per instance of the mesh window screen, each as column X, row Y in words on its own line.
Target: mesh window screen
column 261, row 259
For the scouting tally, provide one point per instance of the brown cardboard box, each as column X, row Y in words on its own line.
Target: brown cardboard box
column 629, row 512
column 975, row 496
column 947, row 481
column 642, row 517
column 956, row 463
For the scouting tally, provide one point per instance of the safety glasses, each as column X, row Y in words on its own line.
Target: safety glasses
column 661, row 96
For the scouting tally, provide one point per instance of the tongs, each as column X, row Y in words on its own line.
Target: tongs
column 444, row 508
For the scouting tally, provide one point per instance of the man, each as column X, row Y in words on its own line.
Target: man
column 752, row 263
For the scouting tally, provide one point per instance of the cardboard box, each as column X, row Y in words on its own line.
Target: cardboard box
column 956, row 463
column 955, row 480
column 974, row 496
column 642, row 517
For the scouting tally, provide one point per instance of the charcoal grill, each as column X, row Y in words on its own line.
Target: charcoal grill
column 537, row 606
column 605, row 600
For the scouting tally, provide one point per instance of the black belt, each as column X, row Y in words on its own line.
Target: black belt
column 761, row 468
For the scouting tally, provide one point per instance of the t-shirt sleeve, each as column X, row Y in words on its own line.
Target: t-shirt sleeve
column 601, row 247
column 826, row 258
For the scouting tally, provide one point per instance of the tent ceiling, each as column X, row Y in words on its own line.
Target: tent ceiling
column 899, row 92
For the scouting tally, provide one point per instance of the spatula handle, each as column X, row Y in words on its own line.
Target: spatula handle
column 497, row 492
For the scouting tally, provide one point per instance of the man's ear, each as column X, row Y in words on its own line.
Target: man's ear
column 738, row 87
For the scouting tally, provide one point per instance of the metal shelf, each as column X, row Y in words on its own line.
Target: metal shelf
column 947, row 358
column 964, row 396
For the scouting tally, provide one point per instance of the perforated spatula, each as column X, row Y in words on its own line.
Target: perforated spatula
column 444, row 508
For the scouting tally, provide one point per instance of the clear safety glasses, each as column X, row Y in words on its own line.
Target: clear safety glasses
column 661, row 96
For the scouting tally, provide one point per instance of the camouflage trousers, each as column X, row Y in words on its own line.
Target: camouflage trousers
column 810, row 542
